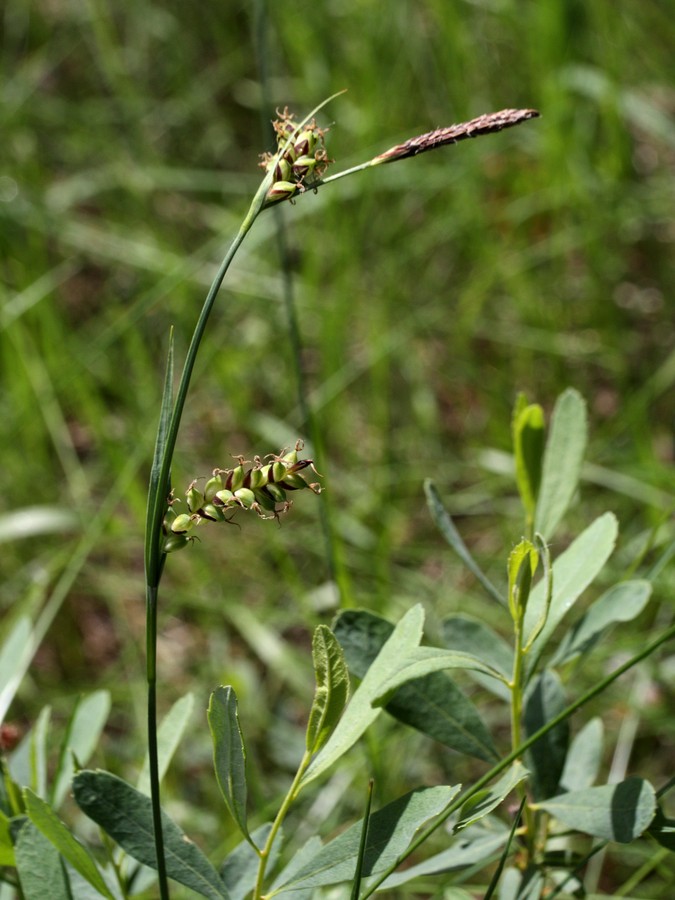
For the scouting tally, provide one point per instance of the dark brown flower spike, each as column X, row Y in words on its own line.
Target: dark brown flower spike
column 485, row 124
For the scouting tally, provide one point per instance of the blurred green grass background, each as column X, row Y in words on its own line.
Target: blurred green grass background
column 428, row 293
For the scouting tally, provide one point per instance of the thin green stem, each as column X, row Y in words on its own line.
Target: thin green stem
column 515, row 754
column 278, row 822
column 517, row 689
column 352, row 171
column 155, row 556
column 153, row 758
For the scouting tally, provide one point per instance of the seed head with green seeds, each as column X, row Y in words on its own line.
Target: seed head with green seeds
column 300, row 159
column 261, row 486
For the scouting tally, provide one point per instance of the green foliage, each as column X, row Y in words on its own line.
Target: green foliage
column 432, row 704
column 390, row 830
column 332, row 688
column 126, row 815
column 614, row 812
column 425, row 296
column 229, row 754
column 60, row 837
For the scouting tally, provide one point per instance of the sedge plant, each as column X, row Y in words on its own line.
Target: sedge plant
column 552, row 775
column 299, row 163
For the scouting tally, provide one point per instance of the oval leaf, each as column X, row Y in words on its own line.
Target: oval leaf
column 584, row 758
column 473, row 636
column 544, row 699
column 621, row 603
column 84, row 730
column 573, row 571
column 421, row 661
column 360, row 712
column 614, row 812
column 229, row 753
column 390, row 830
column 563, row 457
column 38, row 862
column 472, row 847
column 332, row 688
column 126, row 815
column 433, row 705
column 46, row 820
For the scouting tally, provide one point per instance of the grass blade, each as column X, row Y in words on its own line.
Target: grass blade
column 447, row 528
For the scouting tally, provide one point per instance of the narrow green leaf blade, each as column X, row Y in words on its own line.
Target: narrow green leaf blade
column 497, row 874
column 82, row 735
column 363, row 843
column 614, row 812
column 126, row 815
column 360, row 712
column 6, row 842
column 332, row 688
column 38, row 752
column 46, row 820
column 229, row 753
column 159, row 488
column 563, row 457
column 169, row 735
column 573, row 571
column 390, row 831
column 16, row 650
column 433, row 704
column 621, row 603
column 544, row 699
column 38, row 863
column 446, row 526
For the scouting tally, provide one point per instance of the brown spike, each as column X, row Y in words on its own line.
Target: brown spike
column 485, row 124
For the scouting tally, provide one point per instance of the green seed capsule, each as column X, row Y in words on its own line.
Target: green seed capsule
column 305, row 143
column 265, row 500
column 245, row 497
column 212, row 486
column 276, row 492
column 235, row 478
column 176, row 542
column 267, row 474
column 254, row 479
column 212, row 512
column 195, row 498
column 292, row 456
column 182, row 523
column 282, row 190
column 303, row 166
column 224, row 497
column 281, row 168
column 278, row 471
